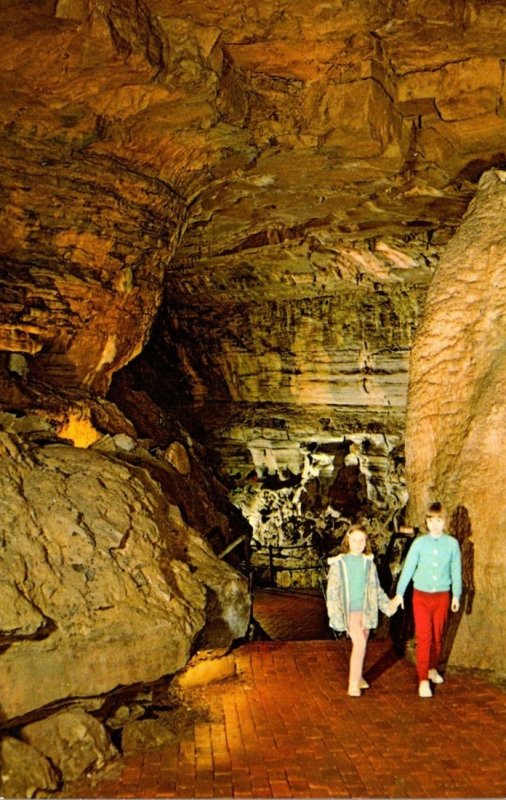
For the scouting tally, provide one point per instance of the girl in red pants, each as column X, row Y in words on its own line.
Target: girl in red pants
column 433, row 562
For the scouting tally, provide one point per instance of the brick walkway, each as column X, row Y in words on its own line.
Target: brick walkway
column 291, row 615
column 285, row 727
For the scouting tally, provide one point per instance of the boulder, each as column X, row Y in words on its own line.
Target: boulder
column 104, row 584
column 24, row 771
column 73, row 740
column 177, row 455
column 145, row 734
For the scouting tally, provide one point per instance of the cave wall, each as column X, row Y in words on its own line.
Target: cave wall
column 301, row 496
column 138, row 135
column 456, row 419
column 345, row 349
column 82, row 269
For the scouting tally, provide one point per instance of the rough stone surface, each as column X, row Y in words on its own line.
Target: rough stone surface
column 265, row 152
column 74, row 741
column 176, row 455
column 24, row 771
column 455, row 438
column 105, row 585
column 300, row 495
column 336, row 354
column 144, row 734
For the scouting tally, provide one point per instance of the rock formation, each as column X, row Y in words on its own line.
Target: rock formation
column 24, row 771
column 219, row 227
column 74, row 741
column 229, row 157
column 103, row 584
column 455, row 435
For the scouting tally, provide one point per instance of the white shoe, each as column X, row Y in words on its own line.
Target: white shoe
column 424, row 689
column 354, row 690
column 435, row 677
column 362, row 684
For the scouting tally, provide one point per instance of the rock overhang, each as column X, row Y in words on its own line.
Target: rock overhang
column 161, row 158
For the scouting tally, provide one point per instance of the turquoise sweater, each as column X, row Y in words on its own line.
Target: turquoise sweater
column 356, row 569
column 434, row 564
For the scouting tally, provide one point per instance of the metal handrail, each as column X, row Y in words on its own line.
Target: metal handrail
column 232, row 546
column 270, row 548
column 304, row 545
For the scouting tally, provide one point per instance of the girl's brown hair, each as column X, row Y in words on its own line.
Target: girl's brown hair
column 435, row 510
column 345, row 546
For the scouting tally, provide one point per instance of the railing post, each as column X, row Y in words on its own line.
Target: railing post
column 271, row 565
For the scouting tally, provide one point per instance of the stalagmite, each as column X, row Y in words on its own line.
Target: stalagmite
column 456, row 419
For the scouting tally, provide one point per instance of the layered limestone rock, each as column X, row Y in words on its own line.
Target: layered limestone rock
column 103, row 584
column 82, row 271
column 455, row 437
column 87, row 234
column 266, row 151
column 263, row 382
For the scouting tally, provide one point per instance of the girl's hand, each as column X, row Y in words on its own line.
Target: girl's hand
column 455, row 604
column 393, row 605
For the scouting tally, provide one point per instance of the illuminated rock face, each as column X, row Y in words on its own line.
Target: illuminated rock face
column 256, row 154
column 456, row 427
column 103, row 583
column 77, row 300
column 237, row 210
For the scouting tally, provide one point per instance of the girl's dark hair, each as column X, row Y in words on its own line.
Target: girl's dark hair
column 345, row 547
column 435, row 510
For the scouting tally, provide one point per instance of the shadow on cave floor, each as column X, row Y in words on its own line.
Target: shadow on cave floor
column 290, row 615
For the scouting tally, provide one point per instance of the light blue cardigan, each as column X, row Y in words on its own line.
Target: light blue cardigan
column 434, row 563
column 338, row 594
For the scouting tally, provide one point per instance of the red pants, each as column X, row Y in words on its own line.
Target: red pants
column 430, row 610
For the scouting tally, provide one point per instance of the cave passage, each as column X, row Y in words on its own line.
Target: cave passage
column 252, row 290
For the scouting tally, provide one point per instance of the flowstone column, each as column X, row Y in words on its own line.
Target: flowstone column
column 456, row 416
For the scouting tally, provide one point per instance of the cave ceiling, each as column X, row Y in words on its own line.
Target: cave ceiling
column 237, row 206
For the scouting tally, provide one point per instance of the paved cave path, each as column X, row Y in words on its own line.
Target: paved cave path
column 285, row 727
